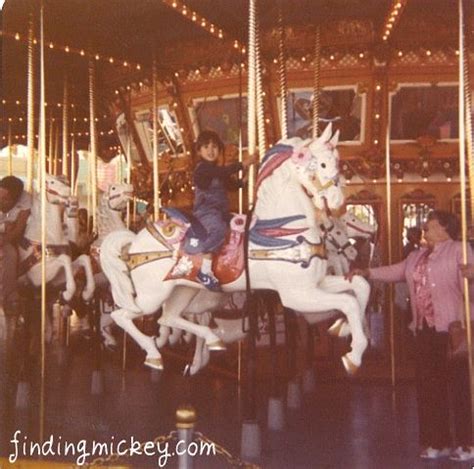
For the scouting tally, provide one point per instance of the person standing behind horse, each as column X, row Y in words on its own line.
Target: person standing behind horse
column 15, row 208
column 211, row 203
column 434, row 277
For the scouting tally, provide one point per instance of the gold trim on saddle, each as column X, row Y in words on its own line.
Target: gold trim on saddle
column 137, row 259
column 168, row 230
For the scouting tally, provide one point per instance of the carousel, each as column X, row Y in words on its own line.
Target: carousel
column 113, row 352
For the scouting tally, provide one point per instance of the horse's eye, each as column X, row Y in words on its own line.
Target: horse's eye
column 113, row 188
column 323, row 165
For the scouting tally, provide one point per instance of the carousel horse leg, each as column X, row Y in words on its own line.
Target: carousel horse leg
column 106, row 323
column 163, row 334
column 174, row 336
column 65, row 262
column 84, row 261
column 125, row 320
column 361, row 289
column 172, row 310
column 317, row 299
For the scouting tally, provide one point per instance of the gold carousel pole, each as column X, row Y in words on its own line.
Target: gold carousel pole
column 74, row 178
column 251, row 97
column 317, row 81
column 156, row 174
column 50, row 142
column 388, row 195
column 56, row 150
column 42, row 172
column 10, row 153
column 282, row 75
column 30, row 111
column 93, row 140
column 262, row 140
column 65, row 166
column 463, row 134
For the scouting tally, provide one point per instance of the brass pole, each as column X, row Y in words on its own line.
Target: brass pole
column 56, row 150
column 65, row 168
column 388, row 191
column 74, row 178
column 282, row 75
column 42, row 162
column 317, row 81
column 30, row 111
column 50, row 142
column 462, row 177
column 251, row 97
column 10, row 154
column 93, row 143
column 156, row 174
column 262, row 141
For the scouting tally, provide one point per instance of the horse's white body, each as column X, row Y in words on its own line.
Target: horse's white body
column 59, row 267
column 308, row 179
column 109, row 218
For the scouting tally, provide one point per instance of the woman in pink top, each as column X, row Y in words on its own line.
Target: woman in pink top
column 435, row 282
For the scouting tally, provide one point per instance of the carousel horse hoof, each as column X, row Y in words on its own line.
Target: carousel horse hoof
column 217, row 345
column 155, row 363
column 349, row 366
column 335, row 329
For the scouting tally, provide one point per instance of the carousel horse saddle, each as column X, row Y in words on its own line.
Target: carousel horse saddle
column 195, row 234
column 228, row 262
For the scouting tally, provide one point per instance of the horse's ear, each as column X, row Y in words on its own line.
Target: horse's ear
column 326, row 135
column 335, row 139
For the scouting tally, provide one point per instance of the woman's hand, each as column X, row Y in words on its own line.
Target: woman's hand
column 467, row 270
column 361, row 272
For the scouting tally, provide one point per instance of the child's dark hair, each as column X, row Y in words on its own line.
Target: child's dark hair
column 13, row 185
column 207, row 136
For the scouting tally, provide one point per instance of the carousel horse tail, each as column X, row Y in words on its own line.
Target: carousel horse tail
column 116, row 269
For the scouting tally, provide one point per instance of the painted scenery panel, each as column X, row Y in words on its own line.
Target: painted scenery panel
column 226, row 116
column 342, row 107
column 420, row 111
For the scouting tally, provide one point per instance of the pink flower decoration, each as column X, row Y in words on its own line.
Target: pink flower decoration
column 301, row 156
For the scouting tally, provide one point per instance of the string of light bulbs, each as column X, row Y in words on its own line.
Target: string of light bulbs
column 74, row 51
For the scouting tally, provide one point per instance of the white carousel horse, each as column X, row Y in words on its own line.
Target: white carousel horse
column 340, row 252
column 59, row 267
column 339, row 249
column 285, row 252
column 356, row 228
column 109, row 218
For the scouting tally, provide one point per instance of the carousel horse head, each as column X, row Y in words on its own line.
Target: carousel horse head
column 118, row 195
column 313, row 164
column 58, row 190
column 356, row 228
column 320, row 177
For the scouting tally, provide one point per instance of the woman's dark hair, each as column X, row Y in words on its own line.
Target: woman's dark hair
column 13, row 185
column 207, row 136
column 448, row 221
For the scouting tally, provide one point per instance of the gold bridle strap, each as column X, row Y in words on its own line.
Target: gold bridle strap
column 137, row 259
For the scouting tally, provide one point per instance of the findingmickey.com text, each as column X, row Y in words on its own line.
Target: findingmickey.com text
column 84, row 451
